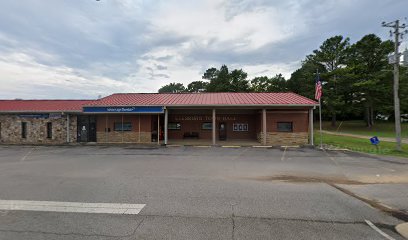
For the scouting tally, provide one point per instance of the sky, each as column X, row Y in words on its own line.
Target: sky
column 84, row 49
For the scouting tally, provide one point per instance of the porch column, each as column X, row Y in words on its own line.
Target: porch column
column 158, row 129
column 264, row 126
column 311, row 130
column 106, row 128
column 122, row 128
column 139, row 129
column 166, row 121
column 68, row 128
column 213, row 127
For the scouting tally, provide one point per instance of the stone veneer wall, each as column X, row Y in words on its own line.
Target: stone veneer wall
column 36, row 130
column 284, row 138
column 125, row 137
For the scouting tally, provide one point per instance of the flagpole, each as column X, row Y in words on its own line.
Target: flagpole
column 320, row 112
column 320, row 120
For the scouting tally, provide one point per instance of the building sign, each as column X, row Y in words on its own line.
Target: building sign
column 55, row 115
column 34, row 116
column 123, row 109
column 203, row 118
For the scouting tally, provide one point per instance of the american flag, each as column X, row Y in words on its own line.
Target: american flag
column 318, row 92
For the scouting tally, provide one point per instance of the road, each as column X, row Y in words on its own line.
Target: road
column 197, row 193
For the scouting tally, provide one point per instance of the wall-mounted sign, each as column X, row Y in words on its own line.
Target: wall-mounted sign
column 55, row 115
column 240, row 127
column 123, row 110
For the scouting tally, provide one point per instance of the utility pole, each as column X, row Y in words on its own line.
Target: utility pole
column 396, row 26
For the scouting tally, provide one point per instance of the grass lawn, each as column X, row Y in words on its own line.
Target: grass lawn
column 380, row 129
column 361, row 145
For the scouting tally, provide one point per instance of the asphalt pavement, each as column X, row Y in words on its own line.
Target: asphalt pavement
column 198, row 193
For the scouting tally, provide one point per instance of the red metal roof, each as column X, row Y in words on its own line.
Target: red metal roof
column 158, row 99
column 196, row 99
column 42, row 105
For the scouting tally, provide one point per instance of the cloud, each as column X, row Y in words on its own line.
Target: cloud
column 51, row 82
column 80, row 49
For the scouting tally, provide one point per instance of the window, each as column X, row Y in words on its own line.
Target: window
column 126, row 126
column 206, row 126
column 49, row 129
column 174, row 126
column 240, row 127
column 23, row 130
column 285, row 127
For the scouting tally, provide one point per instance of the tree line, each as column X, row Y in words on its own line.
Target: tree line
column 357, row 79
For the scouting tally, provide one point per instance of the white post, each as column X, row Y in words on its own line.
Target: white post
column 264, row 126
column 311, row 142
column 68, row 128
column 166, row 121
column 106, row 128
column 214, row 126
column 158, row 129
column 122, row 128
column 139, row 129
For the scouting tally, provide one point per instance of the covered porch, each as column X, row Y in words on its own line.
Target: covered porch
column 208, row 142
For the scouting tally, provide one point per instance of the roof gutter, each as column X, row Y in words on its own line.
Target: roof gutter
column 212, row 105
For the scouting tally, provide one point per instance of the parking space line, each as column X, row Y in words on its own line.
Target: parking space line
column 72, row 207
column 331, row 158
column 379, row 230
column 26, row 155
column 283, row 155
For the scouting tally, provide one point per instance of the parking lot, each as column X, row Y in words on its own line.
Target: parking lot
column 199, row 193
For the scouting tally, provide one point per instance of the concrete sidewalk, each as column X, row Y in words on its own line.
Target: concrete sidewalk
column 385, row 139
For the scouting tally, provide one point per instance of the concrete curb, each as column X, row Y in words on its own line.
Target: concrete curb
column 402, row 229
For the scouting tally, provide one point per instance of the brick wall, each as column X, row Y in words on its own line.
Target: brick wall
column 10, row 132
column 284, row 138
column 300, row 123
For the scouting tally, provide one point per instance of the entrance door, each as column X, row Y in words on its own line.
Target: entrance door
column 86, row 129
column 92, row 129
column 222, row 131
column 157, row 131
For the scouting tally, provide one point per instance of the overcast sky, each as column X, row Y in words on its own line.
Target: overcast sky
column 85, row 48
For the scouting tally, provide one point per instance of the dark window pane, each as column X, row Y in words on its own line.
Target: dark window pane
column 49, row 130
column 23, row 129
column 127, row 126
column 206, row 126
column 285, row 127
column 174, row 126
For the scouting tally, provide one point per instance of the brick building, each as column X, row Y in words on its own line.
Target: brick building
column 265, row 118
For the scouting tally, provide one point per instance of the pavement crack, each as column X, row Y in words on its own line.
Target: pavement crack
column 59, row 234
column 74, row 233
column 134, row 231
column 233, row 222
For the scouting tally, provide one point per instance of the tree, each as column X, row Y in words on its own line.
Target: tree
column 373, row 83
column 302, row 81
column 238, row 81
column 172, row 88
column 197, row 86
column 332, row 55
column 224, row 81
column 265, row 84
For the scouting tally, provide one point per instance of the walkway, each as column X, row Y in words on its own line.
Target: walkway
column 385, row 139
